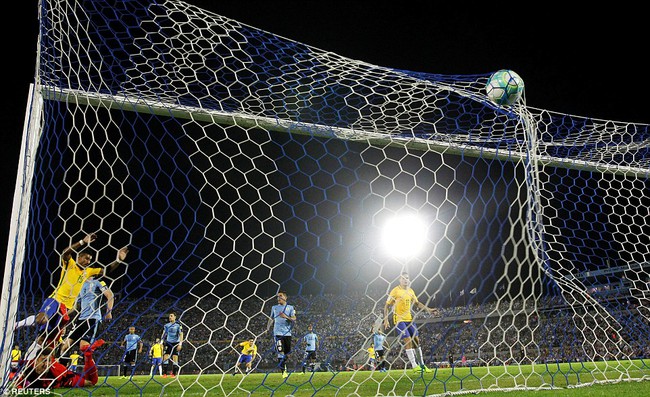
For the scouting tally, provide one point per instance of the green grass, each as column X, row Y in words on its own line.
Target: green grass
column 538, row 381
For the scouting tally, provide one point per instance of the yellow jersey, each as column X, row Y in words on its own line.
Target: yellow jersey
column 371, row 352
column 403, row 299
column 249, row 349
column 15, row 355
column 156, row 350
column 72, row 278
column 74, row 359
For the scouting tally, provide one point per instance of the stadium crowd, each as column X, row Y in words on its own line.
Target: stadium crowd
column 494, row 333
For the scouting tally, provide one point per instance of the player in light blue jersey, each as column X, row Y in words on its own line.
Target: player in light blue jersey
column 172, row 337
column 310, row 340
column 132, row 344
column 86, row 325
column 283, row 317
column 380, row 346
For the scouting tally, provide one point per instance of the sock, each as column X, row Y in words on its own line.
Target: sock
column 65, row 319
column 96, row 344
column 33, row 351
column 410, row 353
column 164, row 366
column 90, row 369
column 28, row 322
column 420, row 356
column 160, row 370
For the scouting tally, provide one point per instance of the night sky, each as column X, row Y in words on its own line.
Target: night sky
column 575, row 62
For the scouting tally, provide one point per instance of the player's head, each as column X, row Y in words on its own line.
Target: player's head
column 83, row 259
column 404, row 279
column 172, row 317
column 251, row 341
column 132, row 330
column 157, row 340
column 282, row 297
column 43, row 361
column 311, row 327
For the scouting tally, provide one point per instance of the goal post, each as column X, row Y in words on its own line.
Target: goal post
column 9, row 302
column 235, row 164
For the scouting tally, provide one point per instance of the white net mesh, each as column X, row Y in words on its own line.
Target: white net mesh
column 235, row 164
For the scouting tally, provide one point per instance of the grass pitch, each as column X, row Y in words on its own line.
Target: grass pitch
column 539, row 380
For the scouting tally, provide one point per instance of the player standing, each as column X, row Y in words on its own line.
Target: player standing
column 172, row 337
column 401, row 299
column 283, row 317
column 132, row 344
column 310, row 340
column 248, row 354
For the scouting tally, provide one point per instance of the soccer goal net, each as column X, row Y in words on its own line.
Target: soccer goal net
column 235, row 164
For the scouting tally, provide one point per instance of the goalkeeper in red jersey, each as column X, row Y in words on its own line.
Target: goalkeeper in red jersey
column 45, row 372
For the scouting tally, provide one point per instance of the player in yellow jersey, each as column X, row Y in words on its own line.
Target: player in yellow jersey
column 248, row 354
column 372, row 357
column 16, row 355
column 156, row 353
column 54, row 314
column 401, row 299
column 74, row 361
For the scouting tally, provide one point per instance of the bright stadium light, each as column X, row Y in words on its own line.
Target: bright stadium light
column 404, row 236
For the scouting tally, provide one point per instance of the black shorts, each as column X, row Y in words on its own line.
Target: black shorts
column 131, row 356
column 310, row 355
column 170, row 348
column 379, row 354
column 283, row 344
column 84, row 330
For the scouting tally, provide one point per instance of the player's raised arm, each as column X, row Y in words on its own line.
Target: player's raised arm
column 67, row 253
column 121, row 256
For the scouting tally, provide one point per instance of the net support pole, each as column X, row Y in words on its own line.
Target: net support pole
column 18, row 228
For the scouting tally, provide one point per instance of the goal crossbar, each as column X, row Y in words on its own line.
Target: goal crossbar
column 244, row 120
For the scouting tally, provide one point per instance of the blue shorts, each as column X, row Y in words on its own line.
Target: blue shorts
column 407, row 329
column 51, row 308
column 156, row 361
column 245, row 358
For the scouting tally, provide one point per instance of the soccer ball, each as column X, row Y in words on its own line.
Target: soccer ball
column 504, row 87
